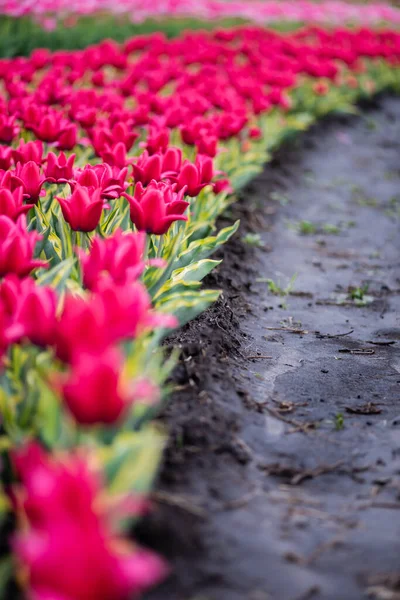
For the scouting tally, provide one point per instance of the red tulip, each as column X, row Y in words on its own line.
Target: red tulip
column 157, row 140
column 36, row 312
column 67, row 139
column 93, row 391
column 129, row 311
column 11, row 203
column 147, row 168
column 112, row 314
column 171, row 161
column 81, row 328
column 8, row 129
column 111, row 180
column 10, row 330
column 28, row 151
column 66, row 522
column 59, row 169
column 115, row 155
column 5, row 157
column 82, row 210
column 155, row 209
column 17, row 247
column 194, row 177
column 49, row 127
column 119, row 256
column 31, row 179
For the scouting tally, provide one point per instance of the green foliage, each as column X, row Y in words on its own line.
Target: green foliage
column 18, row 37
column 253, row 239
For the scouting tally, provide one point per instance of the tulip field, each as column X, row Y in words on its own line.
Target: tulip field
column 117, row 161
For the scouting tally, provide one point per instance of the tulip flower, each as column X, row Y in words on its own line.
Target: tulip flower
column 113, row 313
column 171, row 161
column 10, row 330
column 82, row 210
column 36, row 312
column 120, row 257
column 11, row 203
column 93, row 391
column 155, row 209
column 59, row 169
column 8, row 129
column 5, row 157
column 129, row 310
column 17, row 246
column 147, row 168
column 28, row 151
column 67, row 139
column 49, row 127
column 29, row 176
column 115, row 155
column 194, row 177
column 81, row 328
column 62, row 504
column 157, row 140
column 111, row 180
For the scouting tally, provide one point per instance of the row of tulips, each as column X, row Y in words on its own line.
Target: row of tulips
column 115, row 163
column 336, row 11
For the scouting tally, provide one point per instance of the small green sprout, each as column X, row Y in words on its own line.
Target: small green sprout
column 358, row 293
column 306, row 228
column 253, row 239
column 339, row 421
column 276, row 289
column 331, row 229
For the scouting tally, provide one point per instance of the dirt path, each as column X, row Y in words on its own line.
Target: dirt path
column 282, row 480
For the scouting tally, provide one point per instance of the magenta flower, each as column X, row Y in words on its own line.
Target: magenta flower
column 29, row 176
column 28, row 151
column 59, row 169
column 194, row 177
column 119, row 257
column 17, row 246
column 36, row 312
column 82, row 210
column 155, row 208
column 67, row 522
column 93, row 390
column 12, row 203
column 5, row 157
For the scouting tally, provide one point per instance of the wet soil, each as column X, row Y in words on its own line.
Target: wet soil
column 282, row 477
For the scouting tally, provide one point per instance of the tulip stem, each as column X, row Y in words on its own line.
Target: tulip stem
column 160, row 246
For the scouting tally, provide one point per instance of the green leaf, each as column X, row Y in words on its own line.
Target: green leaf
column 186, row 305
column 187, row 277
column 57, row 276
column 244, row 175
column 201, row 249
column 49, row 414
column 131, row 463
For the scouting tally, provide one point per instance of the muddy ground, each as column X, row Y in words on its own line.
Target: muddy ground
column 282, row 479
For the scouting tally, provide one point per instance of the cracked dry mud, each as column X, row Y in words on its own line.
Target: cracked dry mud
column 282, row 477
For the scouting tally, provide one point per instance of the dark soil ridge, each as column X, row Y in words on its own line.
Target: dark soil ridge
column 282, row 477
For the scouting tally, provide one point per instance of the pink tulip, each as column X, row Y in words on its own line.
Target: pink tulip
column 17, row 247
column 28, row 151
column 93, row 391
column 155, row 209
column 59, row 169
column 29, row 176
column 61, row 503
column 82, row 210
column 120, row 257
column 11, row 203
